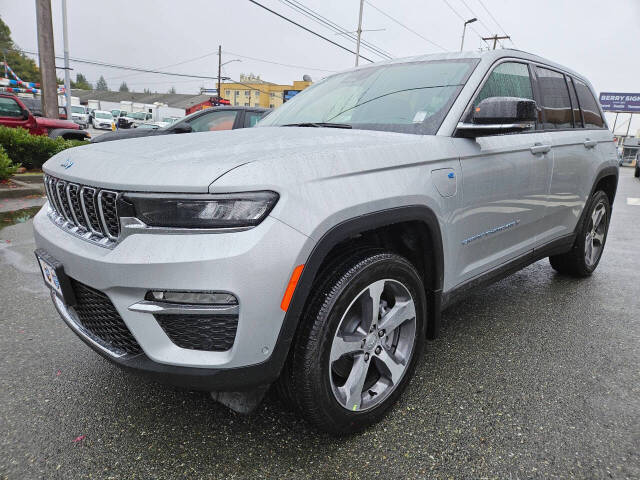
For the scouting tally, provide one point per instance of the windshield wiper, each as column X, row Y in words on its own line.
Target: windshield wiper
column 318, row 125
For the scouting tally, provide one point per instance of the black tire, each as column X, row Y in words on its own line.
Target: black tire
column 306, row 378
column 637, row 171
column 574, row 262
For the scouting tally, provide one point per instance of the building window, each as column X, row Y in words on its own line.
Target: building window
column 247, row 105
column 257, row 93
column 247, row 93
column 227, row 92
column 271, row 105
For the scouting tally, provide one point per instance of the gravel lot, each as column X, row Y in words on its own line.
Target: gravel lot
column 534, row 377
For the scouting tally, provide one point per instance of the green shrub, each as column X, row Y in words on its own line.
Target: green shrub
column 7, row 167
column 32, row 150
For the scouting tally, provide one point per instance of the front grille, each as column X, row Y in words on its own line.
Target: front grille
column 90, row 212
column 98, row 316
column 213, row 333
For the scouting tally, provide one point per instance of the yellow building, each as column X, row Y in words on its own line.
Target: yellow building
column 251, row 91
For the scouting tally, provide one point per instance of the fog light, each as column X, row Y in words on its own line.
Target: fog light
column 192, row 298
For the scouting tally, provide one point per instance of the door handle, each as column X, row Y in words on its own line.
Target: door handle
column 540, row 148
column 590, row 143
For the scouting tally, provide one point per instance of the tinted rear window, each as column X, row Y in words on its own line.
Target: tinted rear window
column 555, row 99
column 590, row 110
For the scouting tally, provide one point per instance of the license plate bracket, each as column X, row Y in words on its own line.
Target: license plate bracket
column 54, row 277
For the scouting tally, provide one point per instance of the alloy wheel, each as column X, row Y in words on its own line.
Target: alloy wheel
column 594, row 241
column 372, row 346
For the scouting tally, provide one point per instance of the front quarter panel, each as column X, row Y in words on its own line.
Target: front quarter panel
column 322, row 189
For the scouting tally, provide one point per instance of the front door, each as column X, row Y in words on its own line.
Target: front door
column 11, row 114
column 505, row 182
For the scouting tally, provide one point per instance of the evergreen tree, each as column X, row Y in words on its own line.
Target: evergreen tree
column 123, row 87
column 101, row 84
column 23, row 66
column 172, row 90
column 81, row 83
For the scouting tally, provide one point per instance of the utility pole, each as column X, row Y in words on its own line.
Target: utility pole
column 47, row 59
column 495, row 39
column 67, row 73
column 219, row 70
column 359, row 32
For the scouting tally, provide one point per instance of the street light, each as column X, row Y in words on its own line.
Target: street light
column 464, row 29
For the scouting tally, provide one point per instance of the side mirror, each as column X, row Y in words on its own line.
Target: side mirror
column 182, row 128
column 497, row 115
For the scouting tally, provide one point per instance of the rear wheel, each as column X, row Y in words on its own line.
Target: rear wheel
column 637, row 172
column 362, row 335
column 587, row 249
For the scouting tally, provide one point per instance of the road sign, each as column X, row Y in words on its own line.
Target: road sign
column 620, row 102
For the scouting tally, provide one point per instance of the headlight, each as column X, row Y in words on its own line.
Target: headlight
column 203, row 211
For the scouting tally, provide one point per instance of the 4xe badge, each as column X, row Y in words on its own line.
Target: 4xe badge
column 67, row 164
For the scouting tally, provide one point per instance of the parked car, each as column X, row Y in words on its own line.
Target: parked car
column 317, row 250
column 134, row 119
column 80, row 115
column 15, row 113
column 166, row 121
column 103, row 120
column 636, row 173
column 215, row 118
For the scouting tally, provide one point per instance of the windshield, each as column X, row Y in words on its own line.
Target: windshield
column 405, row 97
column 136, row 115
column 77, row 110
column 103, row 115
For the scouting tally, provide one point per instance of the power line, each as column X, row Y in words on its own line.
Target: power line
column 308, row 30
column 278, row 63
column 480, row 20
column 167, row 66
column 461, row 18
column 317, row 18
column 496, row 21
column 404, row 26
column 125, row 67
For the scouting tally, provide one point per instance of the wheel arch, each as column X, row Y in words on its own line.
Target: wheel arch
column 352, row 229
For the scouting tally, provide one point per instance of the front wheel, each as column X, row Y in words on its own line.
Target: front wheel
column 357, row 349
column 587, row 249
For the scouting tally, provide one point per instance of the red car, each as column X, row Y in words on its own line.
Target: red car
column 14, row 113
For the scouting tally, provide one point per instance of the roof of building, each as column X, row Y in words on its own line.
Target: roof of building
column 177, row 100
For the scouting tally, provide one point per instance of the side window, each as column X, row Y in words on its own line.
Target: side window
column 251, row 118
column 589, row 107
column 509, row 79
column 577, row 115
column 554, row 96
column 9, row 108
column 218, row 120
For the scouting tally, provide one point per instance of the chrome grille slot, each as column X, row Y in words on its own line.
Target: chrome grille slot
column 108, row 215
column 61, row 190
column 88, row 212
column 88, row 199
column 73, row 194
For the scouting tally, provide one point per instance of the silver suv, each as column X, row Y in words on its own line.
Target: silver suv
column 317, row 250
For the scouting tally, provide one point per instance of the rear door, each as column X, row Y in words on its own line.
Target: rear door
column 577, row 136
column 505, row 181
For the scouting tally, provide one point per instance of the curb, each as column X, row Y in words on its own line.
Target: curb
column 24, row 190
column 30, row 178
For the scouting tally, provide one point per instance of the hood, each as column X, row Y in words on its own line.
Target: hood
column 51, row 123
column 190, row 162
column 122, row 134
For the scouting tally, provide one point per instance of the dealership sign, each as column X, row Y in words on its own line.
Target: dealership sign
column 620, row 102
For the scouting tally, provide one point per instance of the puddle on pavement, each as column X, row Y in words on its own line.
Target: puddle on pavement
column 17, row 216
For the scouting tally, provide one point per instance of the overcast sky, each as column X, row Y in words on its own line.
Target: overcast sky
column 597, row 38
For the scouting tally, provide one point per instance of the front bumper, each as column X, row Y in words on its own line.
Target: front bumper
column 254, row 265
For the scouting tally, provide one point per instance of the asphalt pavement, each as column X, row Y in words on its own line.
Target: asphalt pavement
column 537, row 376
